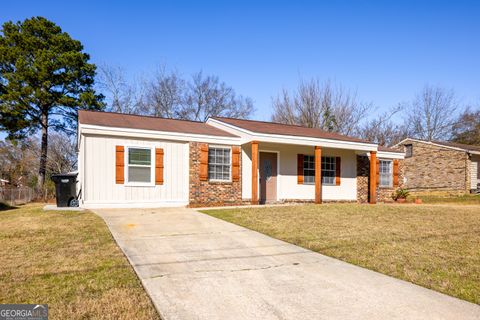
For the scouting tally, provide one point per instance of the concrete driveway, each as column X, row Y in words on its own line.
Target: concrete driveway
column 198, row 267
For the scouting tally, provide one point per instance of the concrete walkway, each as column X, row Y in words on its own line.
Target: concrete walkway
column 197, row 267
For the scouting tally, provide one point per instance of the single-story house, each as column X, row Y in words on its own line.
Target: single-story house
column 440, row 166
column 141, row 161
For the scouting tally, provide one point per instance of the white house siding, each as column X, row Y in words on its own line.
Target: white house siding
column 288, row 189
column 97, row 163
column 474, row 171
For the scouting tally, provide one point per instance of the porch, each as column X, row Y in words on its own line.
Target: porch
column 280, row 172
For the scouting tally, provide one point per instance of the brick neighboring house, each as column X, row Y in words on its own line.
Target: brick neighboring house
column 139, row 161
column 441, row 166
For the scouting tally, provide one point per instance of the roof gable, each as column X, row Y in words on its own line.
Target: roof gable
column 445, row 144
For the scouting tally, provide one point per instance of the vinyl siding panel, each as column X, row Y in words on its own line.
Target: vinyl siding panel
column 98, row 167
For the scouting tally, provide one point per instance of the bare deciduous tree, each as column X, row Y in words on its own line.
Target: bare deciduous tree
column 467, row 127
column 121, row 96
column 383, row 130
column 323, row 106
column 62, row 156
column 164, row 96
column 19, row 161
column 431, row 114
column 206, row 96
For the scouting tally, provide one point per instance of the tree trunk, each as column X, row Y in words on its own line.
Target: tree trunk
column 43, row 155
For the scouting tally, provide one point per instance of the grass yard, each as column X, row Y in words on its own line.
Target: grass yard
column 432, row 198
column 437, row 247
column 70, row 261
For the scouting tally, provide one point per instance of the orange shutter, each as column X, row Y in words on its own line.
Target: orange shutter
column 203, row 162
column 300, row 168
column 235, row 163
column 395, row 173
column 338, row 163
column 158, row 166
column 119, row 164
column 377, row 172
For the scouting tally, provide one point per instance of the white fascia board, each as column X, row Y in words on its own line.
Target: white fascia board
column 390, row 155
column 248, row 136
column 153, row 134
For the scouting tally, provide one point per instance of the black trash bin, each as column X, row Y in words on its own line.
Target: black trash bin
column 65, row 189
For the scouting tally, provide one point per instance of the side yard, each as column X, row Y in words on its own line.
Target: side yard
column 70, row 261
column 432, row 198
column 437, row 247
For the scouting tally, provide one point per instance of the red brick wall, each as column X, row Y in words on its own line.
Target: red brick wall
column 363, row 173
column 206, row 193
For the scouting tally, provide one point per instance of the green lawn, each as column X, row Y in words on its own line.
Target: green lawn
column 70, row 261
column 437, row 247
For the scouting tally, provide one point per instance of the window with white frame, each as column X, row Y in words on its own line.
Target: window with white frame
column 219, row 163
column 328, row 170
column 139, row 165
column 308, row 169
column 385, row 173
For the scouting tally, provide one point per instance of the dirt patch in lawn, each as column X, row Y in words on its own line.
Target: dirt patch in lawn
column 69, row 261
column 437, row 247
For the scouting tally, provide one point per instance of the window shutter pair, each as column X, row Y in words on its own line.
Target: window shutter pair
column 120, row 165
column 394, row 173
column 300, row 178
column 204, row 162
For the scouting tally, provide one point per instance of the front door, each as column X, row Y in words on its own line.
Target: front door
column 268, row 177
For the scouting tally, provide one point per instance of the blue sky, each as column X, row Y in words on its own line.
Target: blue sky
column 384, row 50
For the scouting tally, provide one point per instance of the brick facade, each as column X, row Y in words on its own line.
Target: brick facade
column 207, row 193
column 436, row 168
column 363, row 181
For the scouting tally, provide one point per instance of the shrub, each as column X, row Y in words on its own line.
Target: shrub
column 400, row 194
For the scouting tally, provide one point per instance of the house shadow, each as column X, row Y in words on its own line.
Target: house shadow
column 6, row 207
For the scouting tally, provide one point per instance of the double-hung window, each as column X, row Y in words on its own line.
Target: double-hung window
column 308, row 169
column 139, row 165
column 219, row 163
column 328, row 170
column 385, row 170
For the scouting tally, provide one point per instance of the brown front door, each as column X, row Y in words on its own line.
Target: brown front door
column 268, row 177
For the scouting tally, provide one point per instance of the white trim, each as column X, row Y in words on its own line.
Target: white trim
column 390, row 155
column 297, row 140
column 154, row 134
column 134, row 204
column 380, row 173
column 278, row 171
column 127, row 165
column 208, row 163
column 438, row 145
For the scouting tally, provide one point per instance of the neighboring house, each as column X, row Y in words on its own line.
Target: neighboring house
column 441, row 166
column 139, row 161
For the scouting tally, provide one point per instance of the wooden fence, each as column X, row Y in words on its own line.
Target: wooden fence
column 16, row 196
